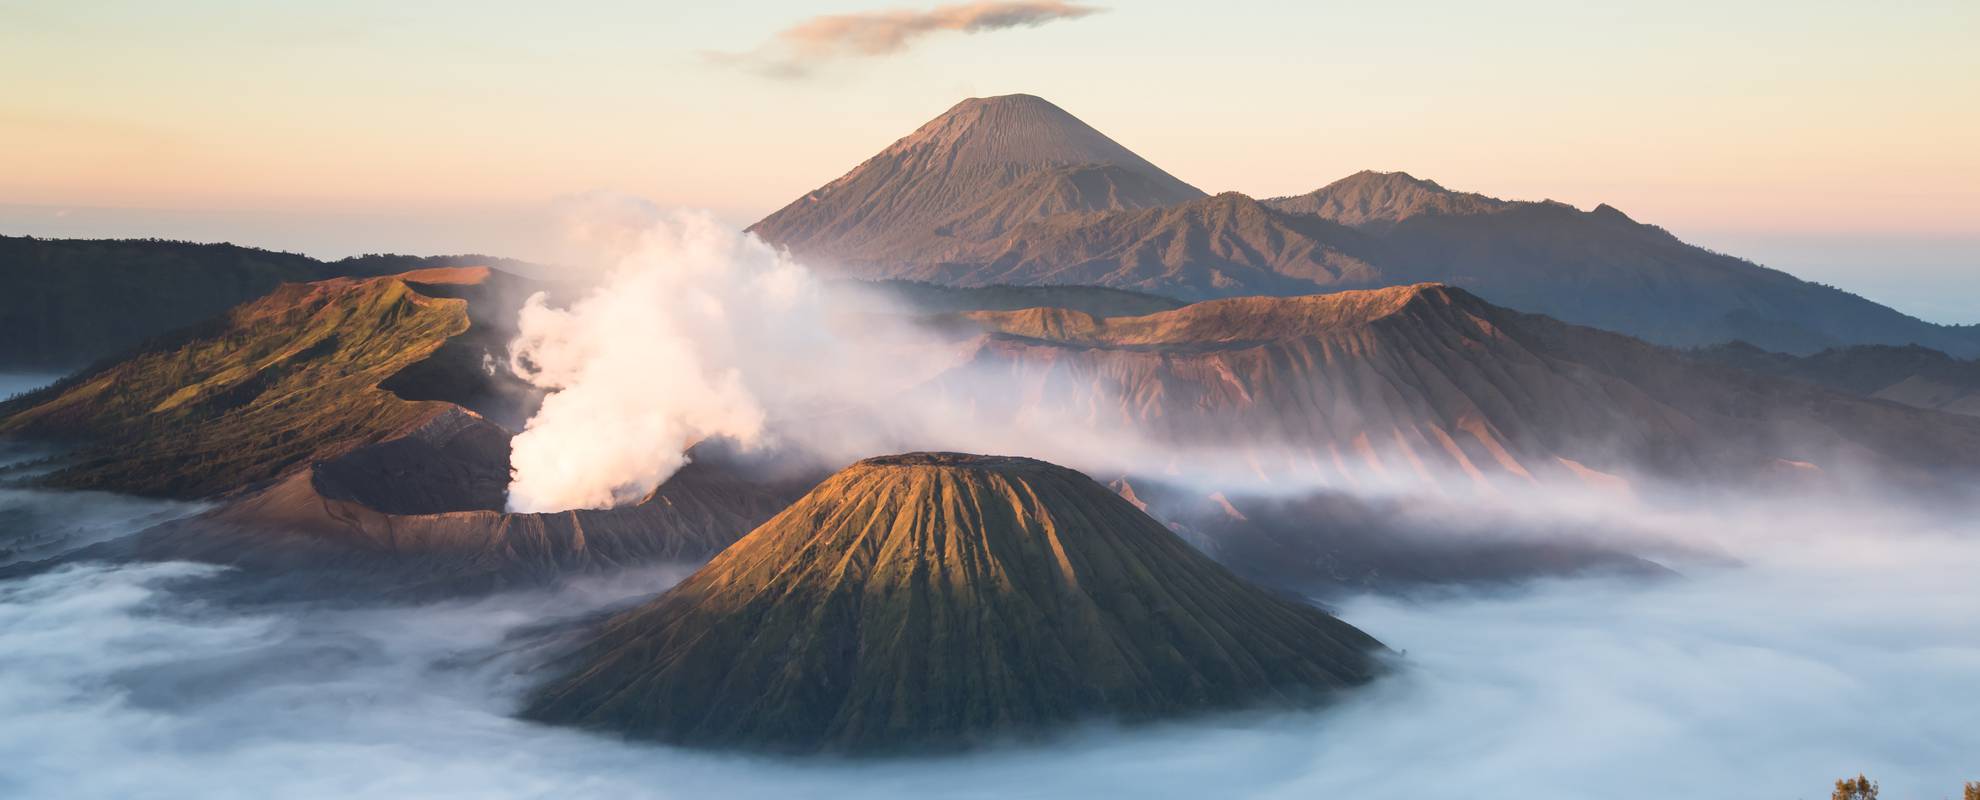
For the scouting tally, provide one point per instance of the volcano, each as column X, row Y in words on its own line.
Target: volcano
column 941, row 600
column 348, row 429
column 987, row 165
column 1431, row 382
column 1014, row 190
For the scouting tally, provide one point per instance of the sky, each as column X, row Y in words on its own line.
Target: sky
column 1834, row 140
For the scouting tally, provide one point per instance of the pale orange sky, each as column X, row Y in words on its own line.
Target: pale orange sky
column 455, row 125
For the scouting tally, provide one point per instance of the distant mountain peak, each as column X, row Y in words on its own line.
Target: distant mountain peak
column 1016, row 129
column 1376, row 200
column 912, row 198
column 1397, row 179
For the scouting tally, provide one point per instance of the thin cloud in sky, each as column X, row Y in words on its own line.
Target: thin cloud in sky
column 797, row 51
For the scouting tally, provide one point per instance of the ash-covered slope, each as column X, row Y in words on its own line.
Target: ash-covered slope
column 938, row 600
column 1430, row 382
column 982, row 167
column 421, row 516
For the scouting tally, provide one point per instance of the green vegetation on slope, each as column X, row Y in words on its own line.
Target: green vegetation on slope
column 68, row 302
column 244, row 398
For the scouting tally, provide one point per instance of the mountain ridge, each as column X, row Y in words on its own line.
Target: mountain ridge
column 1599, row 267
column 1376, row 200
column 1434, row 382
column 71, row 302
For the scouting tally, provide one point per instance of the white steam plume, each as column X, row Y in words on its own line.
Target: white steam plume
column 697, row 331
column 653, row 361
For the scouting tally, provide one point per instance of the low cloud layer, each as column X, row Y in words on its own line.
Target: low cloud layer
column 798, row 50
column 1846, row 642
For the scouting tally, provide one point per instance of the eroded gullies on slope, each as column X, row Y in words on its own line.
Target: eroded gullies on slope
column 339, row 421
column 934, row 601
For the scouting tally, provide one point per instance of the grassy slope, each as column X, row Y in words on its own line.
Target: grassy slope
column 242, row 399
column 69, row 302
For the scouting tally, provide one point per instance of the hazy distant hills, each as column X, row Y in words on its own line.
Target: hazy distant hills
column 1912, row 375
column 67, row 302
column 1013, row 190
column 1432, row 382
column 1376, row 201
column 932, row 601
column 1603, row 269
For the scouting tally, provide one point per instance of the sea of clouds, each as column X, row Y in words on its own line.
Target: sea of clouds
column 1842, row 641
column 1816, row 638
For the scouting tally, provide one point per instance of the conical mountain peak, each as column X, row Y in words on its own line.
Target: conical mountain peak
column 1015, row 130
column 938, row 600
column 918, row 198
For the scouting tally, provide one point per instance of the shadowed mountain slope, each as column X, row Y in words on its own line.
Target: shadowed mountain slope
column 390, row 522
column 1912, row 375
column 1603, row 269
column 932, row 601
column 69, row 302
column 249, row 396
column 1327, row 542
column 1214, row 247
column 984, row 166
column 923, row 297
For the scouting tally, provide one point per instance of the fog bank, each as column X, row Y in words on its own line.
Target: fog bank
column 1829, row 651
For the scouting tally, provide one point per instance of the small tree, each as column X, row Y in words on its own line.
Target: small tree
column 1857, row 788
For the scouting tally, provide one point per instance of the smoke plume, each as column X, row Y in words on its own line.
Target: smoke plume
column 649, row 363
